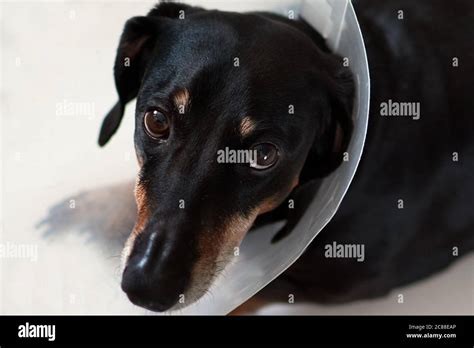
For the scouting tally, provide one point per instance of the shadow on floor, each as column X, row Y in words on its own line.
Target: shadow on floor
column 106, row 215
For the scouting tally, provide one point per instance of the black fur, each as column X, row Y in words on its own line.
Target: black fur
column 167, row 54
column 285, row 62
column 409, row 60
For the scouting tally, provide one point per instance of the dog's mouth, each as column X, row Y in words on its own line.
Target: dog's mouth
column 168, row 265
column 214, row 257
column 161, row 277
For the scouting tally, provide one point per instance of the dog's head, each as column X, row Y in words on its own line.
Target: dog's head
column 215, row 88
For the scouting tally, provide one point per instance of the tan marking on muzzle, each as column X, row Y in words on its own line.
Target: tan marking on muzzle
column 296, row 182
column 269, row 205
column 181, row 99
column 142, row 218
column 216, row 251
column 273, row 202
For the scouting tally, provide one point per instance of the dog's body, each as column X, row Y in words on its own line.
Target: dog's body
column 410, row 60
column 221, row 79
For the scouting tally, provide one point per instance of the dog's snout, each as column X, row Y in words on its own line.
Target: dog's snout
column 146, row 290
column 157, row 270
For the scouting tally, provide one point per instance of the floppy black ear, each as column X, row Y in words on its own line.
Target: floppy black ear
column 328, row 148
column 138, row 39
column 136, row 44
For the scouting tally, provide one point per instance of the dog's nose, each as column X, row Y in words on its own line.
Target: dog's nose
column 158, row 270
column 146, row 290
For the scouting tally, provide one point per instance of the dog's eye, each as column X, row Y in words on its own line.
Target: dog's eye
column 156, row 124
column 266, row 155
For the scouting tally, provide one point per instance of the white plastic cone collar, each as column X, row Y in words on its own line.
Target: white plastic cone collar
column 259, row 261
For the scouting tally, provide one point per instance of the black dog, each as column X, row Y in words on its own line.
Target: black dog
column 209, row 80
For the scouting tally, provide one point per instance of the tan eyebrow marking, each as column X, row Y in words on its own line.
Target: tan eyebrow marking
column 181, row 99
column 247, row 125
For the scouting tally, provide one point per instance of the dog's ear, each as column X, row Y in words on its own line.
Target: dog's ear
column 328, row 148
column 136, row 44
